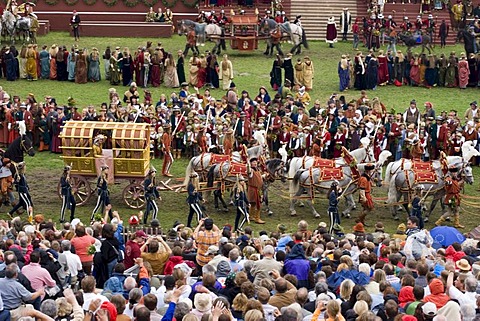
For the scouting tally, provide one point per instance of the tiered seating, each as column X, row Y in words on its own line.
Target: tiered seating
column 411, row 10
column 316, row 12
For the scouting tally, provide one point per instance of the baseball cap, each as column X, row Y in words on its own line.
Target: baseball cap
column 212, row 249
column 141, row 234
column 429, row 308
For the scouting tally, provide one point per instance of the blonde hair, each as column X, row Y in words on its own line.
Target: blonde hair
column 190, row 317
column 64, row 308
column 240, row 302
column 333, row 309
column 360, row 307
column 253, row 315
column 342, row 266
column 346, row 288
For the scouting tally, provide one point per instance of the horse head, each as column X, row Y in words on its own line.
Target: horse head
column 276, row 169
column 377, row 175
column 466, row 173
column 181, row 28
column 26, row 145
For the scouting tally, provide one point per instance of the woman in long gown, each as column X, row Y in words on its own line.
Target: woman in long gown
column 155, row 60
column 44, row 57
column 61, row 65
column 430, row 72
column 214, row 81
column 472, row 66
column 226, row 72
column 399, row 68
column 81, row 73
column 127, row 67
column 94, row 66
column 57, row 124
column 114, row 70
column 343, row 73
column 450, row 75
column 383, row 74
column 53, row 61
column 106, row 62
column 181, row 67
column 299, row 72
column 171, row 76
column 360, row 83
column 23, row 62
column 276, row 73
column 308, row 73
column 10, row 65
column 422, row 68
column 372, row 72
column 202, row 71
column 193, row 70
column 463, row 71
column 31, row 63
column 71, row 62
column 415, row 70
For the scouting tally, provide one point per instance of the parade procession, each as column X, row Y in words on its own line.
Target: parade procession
column 249, row 160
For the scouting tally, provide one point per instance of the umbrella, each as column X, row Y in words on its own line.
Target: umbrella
column 446, row 235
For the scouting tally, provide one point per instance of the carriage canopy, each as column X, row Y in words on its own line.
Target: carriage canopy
column 128, row 144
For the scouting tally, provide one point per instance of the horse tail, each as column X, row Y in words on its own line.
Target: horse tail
column 304, row 39
column 211, row 176
column 188, row 172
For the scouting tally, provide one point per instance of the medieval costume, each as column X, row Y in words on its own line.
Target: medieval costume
column 193, row 199
column 94, row 66
column 81, row 73
column 21, row 185
column 68, row 200
column 151, row 193
column 276, row 73
column 331, row 37
column 308, row 73
column 103, row 198
column 226, row 72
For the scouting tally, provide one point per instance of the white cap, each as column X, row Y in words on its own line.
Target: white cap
column 390, row 16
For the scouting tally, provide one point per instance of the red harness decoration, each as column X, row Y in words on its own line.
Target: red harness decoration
column 322, row 162
column 237, row 169
column 422, row 166
column 219, row 158
column 422, row 176
column 330, row 174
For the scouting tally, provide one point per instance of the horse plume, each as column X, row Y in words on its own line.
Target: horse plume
column 22, row 128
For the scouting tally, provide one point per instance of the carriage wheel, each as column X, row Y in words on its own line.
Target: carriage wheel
column 134, row 196
column 80, row 188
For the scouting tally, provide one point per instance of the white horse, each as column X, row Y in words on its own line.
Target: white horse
column 293, row 31
column 468, row 151
column 363, row 154
column 8, row 22
column 309, row 180
column 402, row 184
column 202, row 163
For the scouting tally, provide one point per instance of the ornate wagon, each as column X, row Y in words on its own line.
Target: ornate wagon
column 126, row 151
column 244, row 32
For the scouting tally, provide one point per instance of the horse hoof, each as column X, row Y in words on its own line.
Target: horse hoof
column 301, row 204
column 396, row 218
column 425, row 220
column 293, row 214
column 317, row 215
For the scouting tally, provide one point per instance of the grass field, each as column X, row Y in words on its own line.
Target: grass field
column 251, row 71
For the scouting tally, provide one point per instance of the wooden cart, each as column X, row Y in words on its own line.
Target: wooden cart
column 126, row 151
column 244, row 32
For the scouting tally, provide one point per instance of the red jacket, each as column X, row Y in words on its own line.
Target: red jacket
column 172, row 261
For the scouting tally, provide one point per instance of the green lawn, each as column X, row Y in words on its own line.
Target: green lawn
column 251, row 71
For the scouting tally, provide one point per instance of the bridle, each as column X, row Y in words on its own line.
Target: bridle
column 24, row 148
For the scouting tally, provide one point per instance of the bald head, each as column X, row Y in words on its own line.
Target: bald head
column 281, row 285
column 302, row 296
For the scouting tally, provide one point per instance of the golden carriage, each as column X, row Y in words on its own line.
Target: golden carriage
column 126, row 151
